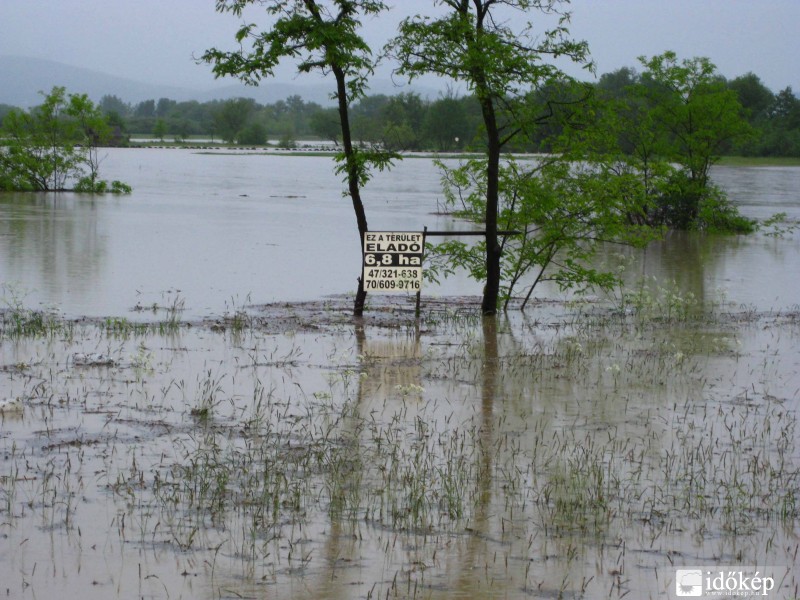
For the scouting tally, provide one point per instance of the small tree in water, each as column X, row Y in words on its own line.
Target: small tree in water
column 323, row 37
column 673, row 123
column 560, row 211
column 56, row 144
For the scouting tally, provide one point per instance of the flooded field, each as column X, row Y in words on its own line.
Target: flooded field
column 169, row 434
column 227, row 229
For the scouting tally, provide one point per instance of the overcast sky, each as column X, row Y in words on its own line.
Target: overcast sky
column 155, row 40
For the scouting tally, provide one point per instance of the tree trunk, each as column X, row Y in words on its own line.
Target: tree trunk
column 352, row 179
column 492, row 289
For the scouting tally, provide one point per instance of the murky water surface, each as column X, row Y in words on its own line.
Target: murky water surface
column 580, row 450
column 219, row 229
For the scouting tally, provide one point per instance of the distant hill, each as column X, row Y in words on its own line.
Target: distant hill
column 22, row 78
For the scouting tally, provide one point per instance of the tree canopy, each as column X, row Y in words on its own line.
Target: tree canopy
column 474, row 44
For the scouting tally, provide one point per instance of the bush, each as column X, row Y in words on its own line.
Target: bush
column 717, row 214
column 99, row 186
column 254, row 134
column 688, row 205
column 287, row 141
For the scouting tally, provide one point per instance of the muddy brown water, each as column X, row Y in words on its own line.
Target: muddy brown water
column 217, row 230
column 584, row 449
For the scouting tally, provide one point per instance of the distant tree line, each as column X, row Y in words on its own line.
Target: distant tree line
column 404, row 121
column 408, row 122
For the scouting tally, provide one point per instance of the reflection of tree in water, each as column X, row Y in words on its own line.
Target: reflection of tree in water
column 53, row 236
column 490, row 377
column 685, row 258
column 689, row 260
column 390, row 383
column 477, row 550
column 390, row 373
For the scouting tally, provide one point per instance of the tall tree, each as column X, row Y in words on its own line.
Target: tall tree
column 92, row 129
column 786, row 106
column 783, row 126
column 113, row 104
column 41, row 145
column 321, row 37
column 146, row 108
column 563, row 210
column 474, row 42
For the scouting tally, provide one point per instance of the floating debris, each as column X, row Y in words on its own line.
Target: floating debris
column 94, row 359
column 10, row 405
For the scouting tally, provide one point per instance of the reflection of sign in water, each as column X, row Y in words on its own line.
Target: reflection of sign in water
column 393, row 261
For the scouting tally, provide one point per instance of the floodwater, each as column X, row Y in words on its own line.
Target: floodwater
column 221, row 229
column 214, row 229
column 583, row 449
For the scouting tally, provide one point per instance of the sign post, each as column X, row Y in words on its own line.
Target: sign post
column 393, row 261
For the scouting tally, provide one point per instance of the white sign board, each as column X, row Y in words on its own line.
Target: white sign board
column 393, row 261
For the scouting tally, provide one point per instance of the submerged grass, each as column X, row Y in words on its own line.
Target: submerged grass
column 568, row 457
column 16, row 320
